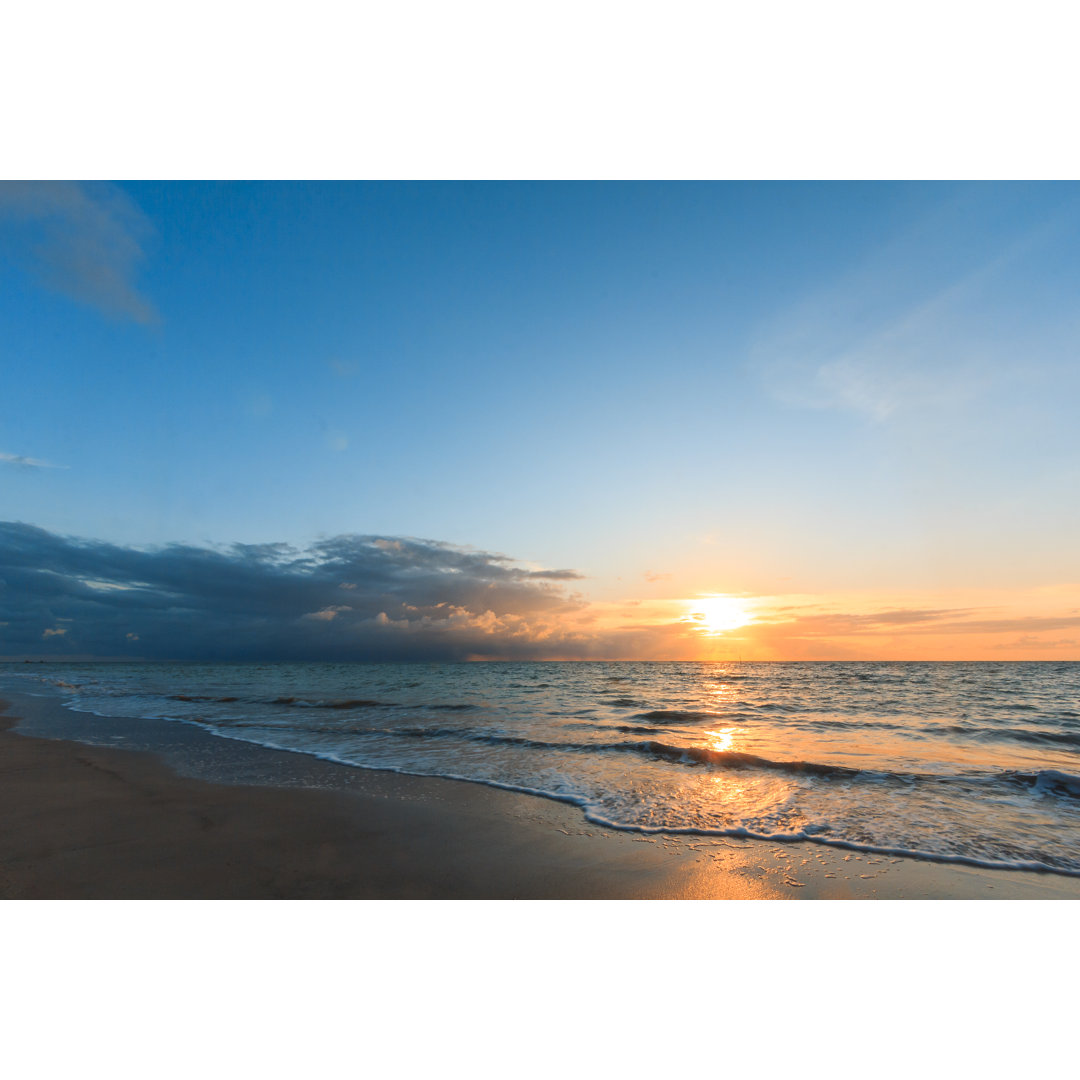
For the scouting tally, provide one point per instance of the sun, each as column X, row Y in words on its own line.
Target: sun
column 718, row 614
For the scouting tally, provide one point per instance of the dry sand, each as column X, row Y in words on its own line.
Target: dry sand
column 83, row 822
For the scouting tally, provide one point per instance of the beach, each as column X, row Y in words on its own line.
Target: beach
column 97, row 822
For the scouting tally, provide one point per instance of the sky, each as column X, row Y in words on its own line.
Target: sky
column 540, row 421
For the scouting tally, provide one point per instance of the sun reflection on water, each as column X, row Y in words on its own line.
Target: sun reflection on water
column 721, row 740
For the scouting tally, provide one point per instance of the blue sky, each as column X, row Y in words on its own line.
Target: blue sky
column 672, row 389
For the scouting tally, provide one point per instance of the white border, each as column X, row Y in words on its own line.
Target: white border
column 555, row 90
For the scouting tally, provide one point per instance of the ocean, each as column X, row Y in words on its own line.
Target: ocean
column 976, row 763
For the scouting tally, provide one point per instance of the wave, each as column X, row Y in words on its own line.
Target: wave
column 1045, row 781
column 812, row 836
column 736, row 759
column 809, row 834
column 323, row 703
column 971, row 730
column 1041, row 738
column 1042, row 782
column 1048, row 781
column 200, row 697
column 678, row 716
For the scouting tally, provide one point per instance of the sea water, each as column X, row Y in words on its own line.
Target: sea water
column 962, row 762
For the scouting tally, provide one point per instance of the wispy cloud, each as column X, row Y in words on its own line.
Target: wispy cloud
column 28, row 462
column 809, row 632
column 83, row 240
column 842, row 624
column 928, row 321
column 345, row 368
column 1029, row 641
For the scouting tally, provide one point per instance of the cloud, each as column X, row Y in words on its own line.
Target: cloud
column 795, row 632
column 258, row 404
column 85, row 241
column 345, row 368
column 844, row 624
column 407, row 599
column 1028, row 641
column 27, row 462
column 1031, row 624
column 931, row 321
column 327, row 614
column 824, row 355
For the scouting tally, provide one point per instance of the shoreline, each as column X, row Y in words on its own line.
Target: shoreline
column 146, row 811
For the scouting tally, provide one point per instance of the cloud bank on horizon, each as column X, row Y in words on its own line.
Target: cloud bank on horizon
column 359, row 597
column 343, row 598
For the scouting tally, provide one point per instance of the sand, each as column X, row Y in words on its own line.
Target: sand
column 93, row 822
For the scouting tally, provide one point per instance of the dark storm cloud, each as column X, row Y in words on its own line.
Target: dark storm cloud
column 83, row 240
column 348, row 597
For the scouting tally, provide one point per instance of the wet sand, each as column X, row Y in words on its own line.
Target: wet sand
column 96, row 822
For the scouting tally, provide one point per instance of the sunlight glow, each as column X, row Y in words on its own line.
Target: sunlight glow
column 718, row 614
column 721, row 740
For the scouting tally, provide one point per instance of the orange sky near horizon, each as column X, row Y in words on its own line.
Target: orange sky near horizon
column 1033, row 624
